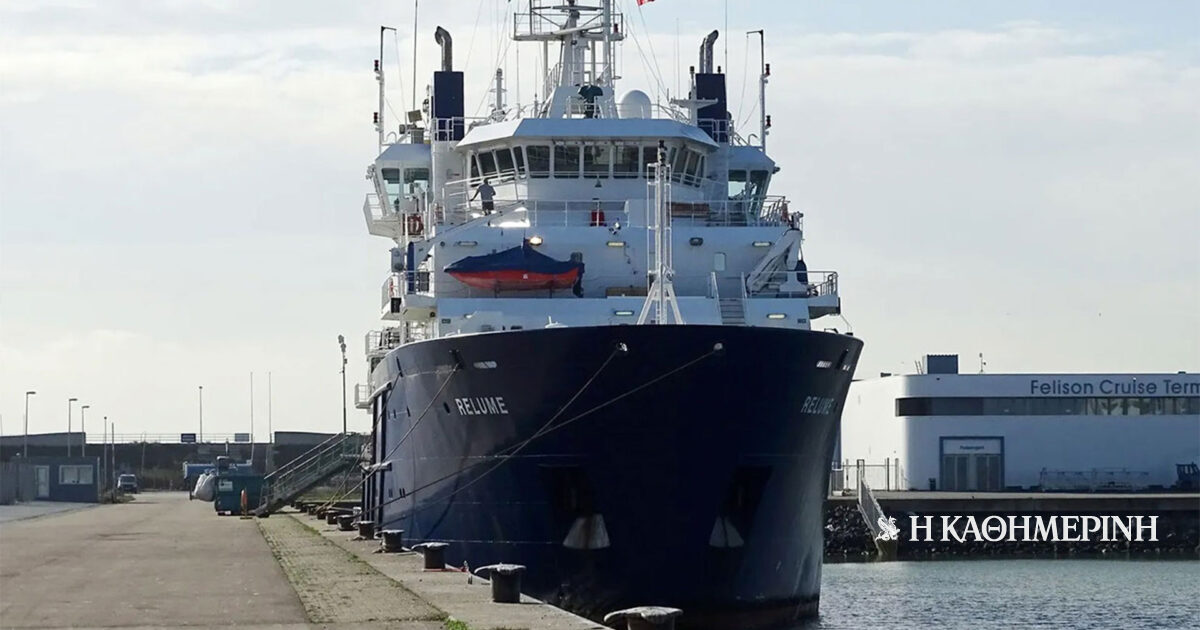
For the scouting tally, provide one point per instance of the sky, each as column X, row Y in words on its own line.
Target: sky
column 181, row 185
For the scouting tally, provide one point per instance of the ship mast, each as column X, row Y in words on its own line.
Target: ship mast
column 661, row 297
column 578, row 29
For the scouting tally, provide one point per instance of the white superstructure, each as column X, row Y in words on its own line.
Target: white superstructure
column 984, row 432
column 574, row 175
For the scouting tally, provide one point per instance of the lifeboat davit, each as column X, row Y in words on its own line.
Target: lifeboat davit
column 517, row 269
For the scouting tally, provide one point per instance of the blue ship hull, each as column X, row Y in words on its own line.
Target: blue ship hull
column 683, row 466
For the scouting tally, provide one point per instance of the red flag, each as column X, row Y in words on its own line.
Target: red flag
column 641, row 2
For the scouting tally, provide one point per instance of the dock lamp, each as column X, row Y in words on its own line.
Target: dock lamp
column 83, row 429
column 70, row 401
column 25, row 448
column 342, row 343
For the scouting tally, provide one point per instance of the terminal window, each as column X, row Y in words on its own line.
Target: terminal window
column 74, row 475
column 1032, row 406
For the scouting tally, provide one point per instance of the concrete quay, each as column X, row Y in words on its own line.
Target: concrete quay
column 449, row 591
column 163, row 561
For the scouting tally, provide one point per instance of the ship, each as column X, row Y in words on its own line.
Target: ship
column 601, row 359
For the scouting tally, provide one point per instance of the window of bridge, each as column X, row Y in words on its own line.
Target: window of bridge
column 566, row 161
column 537, row 158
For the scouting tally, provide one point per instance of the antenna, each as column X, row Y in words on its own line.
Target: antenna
column 982, row 363
column 764, row 121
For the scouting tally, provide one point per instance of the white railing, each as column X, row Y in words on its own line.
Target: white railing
column 1096, row 479
column 791, row 284
column 381, row 341
column 362, row 396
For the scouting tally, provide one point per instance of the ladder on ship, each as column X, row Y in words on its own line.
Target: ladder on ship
column 733, row 311
column 337, row 454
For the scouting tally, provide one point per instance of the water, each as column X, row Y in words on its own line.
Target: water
column 1098, row 593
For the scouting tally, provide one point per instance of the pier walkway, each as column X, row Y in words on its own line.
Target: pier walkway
column 160, row 561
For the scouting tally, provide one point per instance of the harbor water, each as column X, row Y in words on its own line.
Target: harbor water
column 1093, row 593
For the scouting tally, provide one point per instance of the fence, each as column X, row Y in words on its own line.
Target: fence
column 845, row 477
column 17, row 483
column 1096, row 479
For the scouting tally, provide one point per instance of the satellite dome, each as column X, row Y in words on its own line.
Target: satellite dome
column 634, row 104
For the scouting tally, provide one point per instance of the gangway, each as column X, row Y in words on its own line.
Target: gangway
column 337, row 454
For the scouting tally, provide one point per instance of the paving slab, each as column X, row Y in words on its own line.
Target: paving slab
column 449, row 590
column 160, row 561
column 35, row 509
column 335, row 586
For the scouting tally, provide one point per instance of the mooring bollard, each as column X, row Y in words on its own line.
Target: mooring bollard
column 435, row 555
column 320, row 512
column 645, row 617
column 393, row 540
column 506, row 582
column 345, row 522
column 331, row 517
column 366, row 530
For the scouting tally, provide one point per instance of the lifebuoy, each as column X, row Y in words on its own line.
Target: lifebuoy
column 415, row 224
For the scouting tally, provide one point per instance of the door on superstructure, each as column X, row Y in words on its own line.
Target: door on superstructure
column 42, row 474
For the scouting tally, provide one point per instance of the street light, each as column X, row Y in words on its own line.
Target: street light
column 25, row 450
column 70, row 401
column 83, row 429
column 200, row 440
column 342, row 343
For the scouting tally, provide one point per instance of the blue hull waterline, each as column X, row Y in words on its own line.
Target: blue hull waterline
column 684, row 466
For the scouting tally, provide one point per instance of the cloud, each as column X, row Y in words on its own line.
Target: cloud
column 180, row 187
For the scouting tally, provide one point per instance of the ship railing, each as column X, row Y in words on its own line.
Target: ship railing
column 518, row 213
column 709, row 285
column 790, row 284
column 401, row 283
column 381, row 341
column 362, row 396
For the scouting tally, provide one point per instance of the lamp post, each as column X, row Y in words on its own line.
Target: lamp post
column 83, row 429
column 342, row 343
column 200, row 439
column 25, row 449
column 70, row 401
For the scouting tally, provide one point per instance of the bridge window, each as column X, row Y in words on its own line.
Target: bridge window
column 678, row 163
column 504, row 160
column 487, row 164
column 596, row 160
column 625, row 161
column 538, row 158
column 391, row 182
column 416, row 181
column 649, row 156
column 519, row 161
column 566, row 161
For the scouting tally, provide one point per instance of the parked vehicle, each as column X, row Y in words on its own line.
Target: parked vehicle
column 127, row 483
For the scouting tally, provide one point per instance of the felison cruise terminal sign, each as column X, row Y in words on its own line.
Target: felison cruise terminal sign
column 1165, row 386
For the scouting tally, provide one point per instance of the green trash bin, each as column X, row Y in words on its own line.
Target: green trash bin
column 230, row 485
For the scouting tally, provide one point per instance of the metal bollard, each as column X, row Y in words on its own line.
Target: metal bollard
column 345, row 522
column 393, row 540
column 645, row 617
column 366, row 530
column 506, row 582
column 331, row 517
column 435, row 555
column 320, row 513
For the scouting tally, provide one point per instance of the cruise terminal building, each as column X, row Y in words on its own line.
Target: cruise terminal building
column 944, row 430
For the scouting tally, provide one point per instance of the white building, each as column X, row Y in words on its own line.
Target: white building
column 983, row 432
